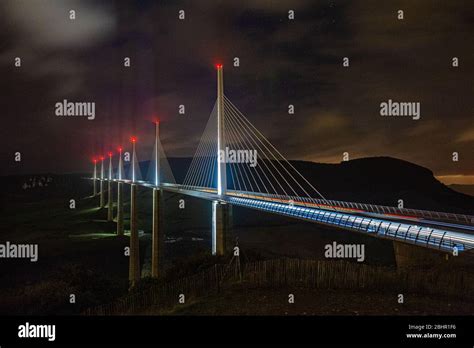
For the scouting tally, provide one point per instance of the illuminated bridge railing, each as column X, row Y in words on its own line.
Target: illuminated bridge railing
column 440, row 239
column 373, row 208
column 381, row 209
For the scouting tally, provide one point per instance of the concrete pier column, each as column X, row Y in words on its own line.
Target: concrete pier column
column 120, row 209
column 102, row 194
column 412, row 256
column 221, row 226
column 102, row 197
column 134, row 265
column 94, row 176
column 110, row 203
column 157, row 234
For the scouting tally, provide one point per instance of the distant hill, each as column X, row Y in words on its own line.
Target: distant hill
column 466, row 189
column 378, row 180
column 385, row 180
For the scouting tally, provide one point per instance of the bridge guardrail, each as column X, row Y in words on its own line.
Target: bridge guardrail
column 373, row 208
column 434, row 238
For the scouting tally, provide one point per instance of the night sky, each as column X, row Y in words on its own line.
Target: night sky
column 282, row 62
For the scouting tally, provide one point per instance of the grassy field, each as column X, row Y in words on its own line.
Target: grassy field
column 242, row 300
column 78, row 252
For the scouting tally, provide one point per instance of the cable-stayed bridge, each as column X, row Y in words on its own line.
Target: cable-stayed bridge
column 235, row 164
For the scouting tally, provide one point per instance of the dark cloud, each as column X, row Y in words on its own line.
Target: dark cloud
column 282, row 62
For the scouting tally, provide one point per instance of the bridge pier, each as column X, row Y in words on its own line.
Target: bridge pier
column 221, row 226
column 94, row 176
column 110, row 203
column 102, row 194
column 157, row 234
column 134, row 264
column 120, row 209
column 411, row 256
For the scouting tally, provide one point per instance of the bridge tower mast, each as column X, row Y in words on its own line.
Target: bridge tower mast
column 102, row 197
column 157, row 154
column 221, row 167
column 120, row 195
column 221, row 211
column 110, row 204
column 157, row 237
column 134, row 259
column 95, row 177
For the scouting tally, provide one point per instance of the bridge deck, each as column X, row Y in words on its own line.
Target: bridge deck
column 422, row 232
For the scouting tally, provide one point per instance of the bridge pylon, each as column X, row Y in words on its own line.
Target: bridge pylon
column 110, row 203
column 221, row 212
column 157, row 233
column 134, row 264
column 120, row 196
column 120, row 209
column 95, row 178
column 221, row 226
column 102, row 193
column 412, row 256
column 221, row 165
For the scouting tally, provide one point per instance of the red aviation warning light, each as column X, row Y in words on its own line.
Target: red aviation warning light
column 101, row 158
column 120, row 149
column 133, row 139
column 110, row 154
column 219, row 66
column 94, row 160
column 155, row 119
